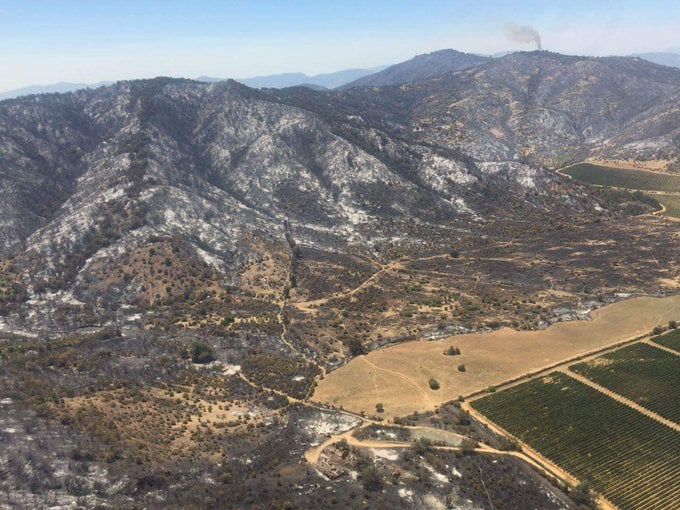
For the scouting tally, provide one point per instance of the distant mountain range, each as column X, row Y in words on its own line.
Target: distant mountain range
column 50, row 89
column 275, row 81
column 664, row 59
column 317, row 82
column 328, row 80
column 418, row 68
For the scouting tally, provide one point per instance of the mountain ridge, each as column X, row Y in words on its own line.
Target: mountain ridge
column 213, row 164
column 326, row 80
column 419, row 67
column 662, row 58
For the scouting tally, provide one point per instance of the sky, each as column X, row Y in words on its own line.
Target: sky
column 49, row 41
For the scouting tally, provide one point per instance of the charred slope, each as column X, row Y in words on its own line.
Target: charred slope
column 90, row 177
column 537, row 107
column 548, row 107
column 419, row 67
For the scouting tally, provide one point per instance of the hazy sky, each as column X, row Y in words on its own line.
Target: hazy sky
column 49, row 41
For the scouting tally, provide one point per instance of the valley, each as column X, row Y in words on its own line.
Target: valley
column 214, row 296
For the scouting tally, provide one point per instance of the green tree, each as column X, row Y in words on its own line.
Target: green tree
column 452, row 351
column 468, row 444
column 422, row 446
column 355, row 347
column 202, row 353
column 434, row 384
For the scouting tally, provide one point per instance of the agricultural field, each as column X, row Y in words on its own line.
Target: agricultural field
column 623, row 177
column 627, row 457
column 670, row 340
column 398, row 376
column 642, row 373
column 672, row 203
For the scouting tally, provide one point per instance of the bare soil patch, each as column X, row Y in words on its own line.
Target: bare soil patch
column 398, row 376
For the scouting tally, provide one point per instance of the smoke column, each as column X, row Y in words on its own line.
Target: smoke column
column 524, row 34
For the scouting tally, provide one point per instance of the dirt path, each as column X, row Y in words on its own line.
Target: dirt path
column 309, row 305
column 500, row 358
column 373, row 277
column 528, row 453
column 662, row 211
column 398, row 374
column 272, row 390
column 279, row 318
column 312, row 455
column 648, row 341
column 533, row 459
column 621, row 399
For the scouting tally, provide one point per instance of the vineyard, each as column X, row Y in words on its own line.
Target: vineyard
column 623, row 178
column 672, row 203
column 670, row 340
column 629, row 458
column 644, row 374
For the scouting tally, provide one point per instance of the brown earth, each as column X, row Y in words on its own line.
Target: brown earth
column 398, row 376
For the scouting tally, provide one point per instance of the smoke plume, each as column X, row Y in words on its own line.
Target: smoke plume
column 524, row 34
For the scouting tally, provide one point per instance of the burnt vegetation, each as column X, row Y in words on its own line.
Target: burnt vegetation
column 180, row 263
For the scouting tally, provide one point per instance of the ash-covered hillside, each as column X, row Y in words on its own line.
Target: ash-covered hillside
column 537, row 107
column 419, row 67
column 90, row 177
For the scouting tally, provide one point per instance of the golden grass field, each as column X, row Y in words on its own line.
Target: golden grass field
column 398, row 376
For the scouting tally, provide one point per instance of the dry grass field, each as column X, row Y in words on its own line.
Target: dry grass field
column 398, row 376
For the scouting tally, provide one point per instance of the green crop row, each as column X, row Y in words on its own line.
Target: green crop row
column 628, row 457
column 670, row 340
column 623, row 178
column 644, row 374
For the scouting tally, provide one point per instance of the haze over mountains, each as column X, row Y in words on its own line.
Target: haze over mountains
column 327, row 80
column 50, row 89
column 419, row 67
column 661, row 58
column 319, row 81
